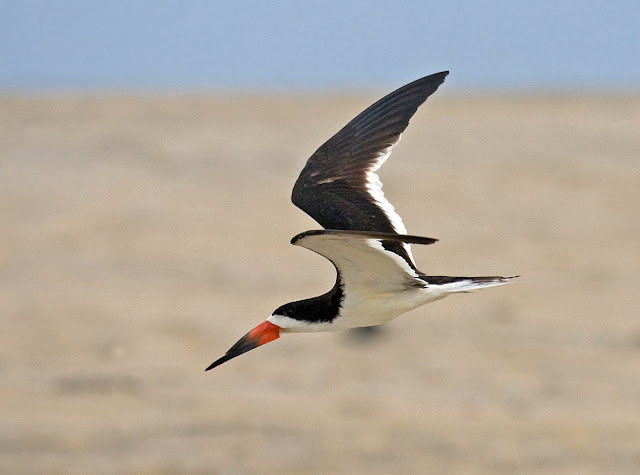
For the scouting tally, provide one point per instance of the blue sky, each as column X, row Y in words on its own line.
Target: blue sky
column 315, row 45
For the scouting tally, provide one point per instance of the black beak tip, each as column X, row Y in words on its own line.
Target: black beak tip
column 228, row 356
column 218, row 362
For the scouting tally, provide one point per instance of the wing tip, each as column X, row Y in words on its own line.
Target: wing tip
column 409, row 239
column 304, row 234
column 435, row 77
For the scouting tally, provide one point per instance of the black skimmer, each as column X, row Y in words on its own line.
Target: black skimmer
column 365, row 239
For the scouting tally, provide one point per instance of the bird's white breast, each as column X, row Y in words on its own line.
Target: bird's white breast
column 373, row 308
column 361, row 308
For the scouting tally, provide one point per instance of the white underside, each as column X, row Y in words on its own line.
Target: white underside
column 378, row 284
column 366, row 308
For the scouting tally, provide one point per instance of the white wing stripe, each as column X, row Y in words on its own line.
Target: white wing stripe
column 374, row 188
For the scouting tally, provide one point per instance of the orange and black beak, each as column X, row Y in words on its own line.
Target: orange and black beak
column 263, row 333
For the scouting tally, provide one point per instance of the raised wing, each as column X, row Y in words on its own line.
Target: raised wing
column 361, row 260
column 339, row 187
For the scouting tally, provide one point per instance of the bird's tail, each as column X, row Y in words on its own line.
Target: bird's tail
column 468, row 284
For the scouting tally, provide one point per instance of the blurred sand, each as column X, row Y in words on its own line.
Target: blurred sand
column 142, row 236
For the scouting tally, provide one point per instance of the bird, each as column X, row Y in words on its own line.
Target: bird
column 364, row 237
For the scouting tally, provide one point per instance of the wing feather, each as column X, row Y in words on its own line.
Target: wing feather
column 339, row 187
column 362, row 261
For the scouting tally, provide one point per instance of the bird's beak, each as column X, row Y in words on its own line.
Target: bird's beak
column 263, row 333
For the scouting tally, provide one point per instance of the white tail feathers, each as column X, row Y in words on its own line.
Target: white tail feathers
column 475, row 283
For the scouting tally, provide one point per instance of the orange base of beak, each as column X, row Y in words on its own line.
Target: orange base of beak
column 264, row 333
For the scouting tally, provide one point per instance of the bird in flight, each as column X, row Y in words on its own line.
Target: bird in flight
column 363, row 236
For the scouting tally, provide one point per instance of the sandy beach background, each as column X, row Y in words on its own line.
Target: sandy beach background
column 142, row 236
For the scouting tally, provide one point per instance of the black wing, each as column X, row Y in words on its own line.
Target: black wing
column 339, row 187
